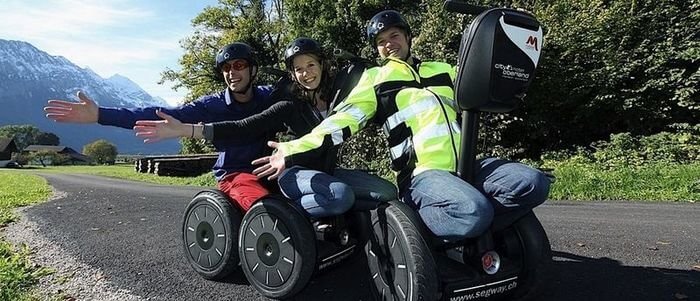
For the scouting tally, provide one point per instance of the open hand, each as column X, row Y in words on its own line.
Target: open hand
column 156, row 130
column 272, row 165
column 83, row 111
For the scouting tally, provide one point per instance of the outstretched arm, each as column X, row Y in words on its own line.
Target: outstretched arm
column 169, row 127
column 83, row 111
column 271, row 119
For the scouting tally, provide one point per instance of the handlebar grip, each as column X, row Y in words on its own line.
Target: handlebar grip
column 343, row 54
column 462, row 7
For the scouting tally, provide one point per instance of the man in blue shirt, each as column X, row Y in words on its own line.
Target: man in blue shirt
column 237, row 67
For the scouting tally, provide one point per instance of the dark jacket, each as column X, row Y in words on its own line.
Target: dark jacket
column 235, row 154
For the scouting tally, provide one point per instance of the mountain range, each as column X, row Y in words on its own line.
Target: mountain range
column 29, row 77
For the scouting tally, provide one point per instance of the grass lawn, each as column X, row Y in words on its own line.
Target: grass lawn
column 657, row 182
column 17, row 273
column 126, row 171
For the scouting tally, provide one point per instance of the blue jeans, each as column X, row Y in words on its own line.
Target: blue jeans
column 322, row 195
column 454, row 209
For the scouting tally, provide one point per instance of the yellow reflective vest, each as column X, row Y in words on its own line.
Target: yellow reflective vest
column 416, row 109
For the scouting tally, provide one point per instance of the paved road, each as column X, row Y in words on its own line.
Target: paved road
column 603, row 251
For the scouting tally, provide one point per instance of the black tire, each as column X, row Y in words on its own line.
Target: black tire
column 527, row 241
column 400, row 262
column 277, row 248
column 209, row 232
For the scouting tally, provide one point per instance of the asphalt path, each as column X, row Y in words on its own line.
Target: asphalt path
column 602, row 250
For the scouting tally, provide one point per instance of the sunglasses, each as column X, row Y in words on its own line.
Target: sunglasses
column 237, row 65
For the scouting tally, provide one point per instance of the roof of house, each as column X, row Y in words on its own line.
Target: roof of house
column 59, row 149
column 7, row 143
column 38, row 147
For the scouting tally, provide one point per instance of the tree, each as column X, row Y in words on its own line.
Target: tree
column 250, row 21
column 50, row 157
column 607, row 66
column 24, row 135
column 45, row 138
column 610, row 67
column 101, row 151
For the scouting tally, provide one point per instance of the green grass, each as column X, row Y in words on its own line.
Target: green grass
column 17, row 273
column 126, row 171
column 656, row 182
column 20, row 189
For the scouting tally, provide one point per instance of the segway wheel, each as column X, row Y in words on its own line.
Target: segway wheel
column 209, row 232
column 277, row 248
column 527, row 241
column 400, row 261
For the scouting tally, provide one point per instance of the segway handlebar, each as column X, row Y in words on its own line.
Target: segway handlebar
column 344, row 54
column 462, row 7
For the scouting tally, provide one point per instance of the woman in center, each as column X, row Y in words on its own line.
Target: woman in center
column 321, row 188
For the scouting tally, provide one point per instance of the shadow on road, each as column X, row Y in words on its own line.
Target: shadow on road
column 576, row 277
column 236, row 277
column 570, row 277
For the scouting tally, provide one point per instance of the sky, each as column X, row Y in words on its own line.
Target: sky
column 134, row 38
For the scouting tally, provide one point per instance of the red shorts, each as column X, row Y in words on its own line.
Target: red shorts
column 243, row 189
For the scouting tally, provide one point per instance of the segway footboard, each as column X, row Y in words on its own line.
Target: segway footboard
column 521, row 252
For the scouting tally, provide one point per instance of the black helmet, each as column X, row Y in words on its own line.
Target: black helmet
column 234, row 51
column 383, row 21
column 301, row 46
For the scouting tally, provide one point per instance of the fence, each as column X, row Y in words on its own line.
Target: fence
column 176, row 165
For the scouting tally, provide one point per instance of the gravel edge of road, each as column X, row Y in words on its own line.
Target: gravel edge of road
column 72, row 279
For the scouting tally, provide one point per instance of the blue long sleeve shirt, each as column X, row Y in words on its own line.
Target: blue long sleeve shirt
column 235, row 154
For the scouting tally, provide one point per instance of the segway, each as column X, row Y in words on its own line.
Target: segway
column 277, row 247
column 497, row 59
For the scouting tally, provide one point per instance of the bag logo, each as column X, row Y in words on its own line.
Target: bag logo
column 532, row 42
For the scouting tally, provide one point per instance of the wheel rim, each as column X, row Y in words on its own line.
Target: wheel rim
column 205, row 236
column 268, row 250
column 388, row 264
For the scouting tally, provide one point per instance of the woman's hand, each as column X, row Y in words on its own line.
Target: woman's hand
column 156, row 130
column 272, row 165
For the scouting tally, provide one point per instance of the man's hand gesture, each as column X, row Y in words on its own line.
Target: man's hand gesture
column 83, row 111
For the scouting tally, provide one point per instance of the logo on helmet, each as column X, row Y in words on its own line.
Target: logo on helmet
column 380, row 25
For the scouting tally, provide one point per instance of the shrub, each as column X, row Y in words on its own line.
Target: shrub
column 102, row 151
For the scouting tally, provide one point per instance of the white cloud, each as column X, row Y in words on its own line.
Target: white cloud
column 109, row 36
column 65, row 17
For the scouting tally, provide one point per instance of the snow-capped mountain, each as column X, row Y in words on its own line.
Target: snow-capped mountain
column 131, row 93
column 29, row 77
